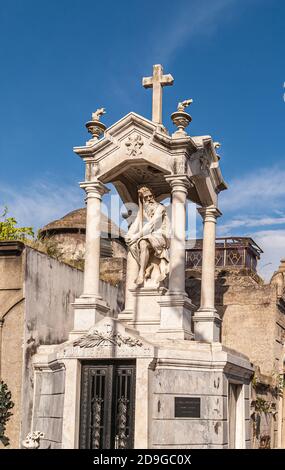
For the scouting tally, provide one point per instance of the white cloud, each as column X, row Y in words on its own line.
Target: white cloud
column 262, row 190
column 253, row 207
column 241, row 223
column 39, row 203
column 273, row 244
column 194, row 19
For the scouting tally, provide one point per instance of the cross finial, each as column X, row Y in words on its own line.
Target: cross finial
column 157, row 81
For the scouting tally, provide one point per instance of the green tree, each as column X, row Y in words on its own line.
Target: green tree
column 5, row 405
column 9, row 231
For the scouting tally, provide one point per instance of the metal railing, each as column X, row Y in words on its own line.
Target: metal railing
column 234, row 252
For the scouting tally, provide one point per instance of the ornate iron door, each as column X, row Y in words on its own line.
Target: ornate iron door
column 107, row 405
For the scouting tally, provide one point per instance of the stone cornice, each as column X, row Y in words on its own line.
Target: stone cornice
column 111, row 132
column 11, row 248
column 185, row 143
column 170, row 143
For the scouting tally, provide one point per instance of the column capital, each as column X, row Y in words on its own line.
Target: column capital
column 94, row 188
column 178, row 182
column 209, row 213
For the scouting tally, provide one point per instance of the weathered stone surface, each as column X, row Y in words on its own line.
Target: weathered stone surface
column 248, row 309
column 50, row 406
column 187, row 432
column 11, row 366
column 113, row 270
column 187, row 381
column 51, row 427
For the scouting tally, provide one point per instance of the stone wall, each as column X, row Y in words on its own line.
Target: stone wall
column 253, row 324
column 48, row 403
column 11, row 329
column 11, row 367
column 209, row 431
column 113, row 271
column 50, row 288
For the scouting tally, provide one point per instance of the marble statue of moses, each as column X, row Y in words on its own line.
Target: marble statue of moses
column 149, row 242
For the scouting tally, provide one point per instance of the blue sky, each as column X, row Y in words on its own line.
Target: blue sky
column 60, row 60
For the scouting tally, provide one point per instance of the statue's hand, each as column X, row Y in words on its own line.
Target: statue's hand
column 128, row 239
column 132, row 239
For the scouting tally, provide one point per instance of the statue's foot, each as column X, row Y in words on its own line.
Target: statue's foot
column 139, row 280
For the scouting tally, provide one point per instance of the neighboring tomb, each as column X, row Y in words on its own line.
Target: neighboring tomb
column 65, row 239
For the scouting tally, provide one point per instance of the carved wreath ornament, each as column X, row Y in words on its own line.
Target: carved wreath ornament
column 97, row 338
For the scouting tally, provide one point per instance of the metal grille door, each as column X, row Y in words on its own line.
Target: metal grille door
column 107, row 405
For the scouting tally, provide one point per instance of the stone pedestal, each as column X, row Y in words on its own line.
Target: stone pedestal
column 207, row 325
column 175, row 316
column 146, row 314
column 87, row 312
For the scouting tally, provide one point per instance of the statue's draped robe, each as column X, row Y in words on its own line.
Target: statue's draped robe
column 156, row 232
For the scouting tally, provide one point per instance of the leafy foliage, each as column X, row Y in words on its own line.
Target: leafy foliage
column 9, row 231
column 5, row 405
column 264, row 406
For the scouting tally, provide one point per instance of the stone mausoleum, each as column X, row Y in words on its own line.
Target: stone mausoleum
column 156, row 374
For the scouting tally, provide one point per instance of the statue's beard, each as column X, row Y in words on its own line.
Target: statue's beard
column 149, row 208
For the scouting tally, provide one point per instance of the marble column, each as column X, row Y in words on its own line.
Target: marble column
column 179, row 189
column 176, row 307
column 89, row 307
column 206, row 320
column 94, row 192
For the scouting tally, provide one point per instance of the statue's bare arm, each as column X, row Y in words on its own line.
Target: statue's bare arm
column 154, row 222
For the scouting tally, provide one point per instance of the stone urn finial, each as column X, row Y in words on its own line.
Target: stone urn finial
column 217, row 146
column 95, row 126
column 181, row 119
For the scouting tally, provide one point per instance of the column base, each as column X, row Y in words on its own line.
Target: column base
column 175, row 316
column 88, row 310
column 207, row 325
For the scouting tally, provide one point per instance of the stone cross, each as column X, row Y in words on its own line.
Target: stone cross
column 157, row 81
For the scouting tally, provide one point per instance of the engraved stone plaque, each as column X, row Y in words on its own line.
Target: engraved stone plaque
column 187, row 407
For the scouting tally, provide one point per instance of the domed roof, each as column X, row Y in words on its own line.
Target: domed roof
column 76, row 221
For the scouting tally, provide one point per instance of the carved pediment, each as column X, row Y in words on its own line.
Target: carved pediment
column 108, row 338
column 95, row 338
column 135, row 151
